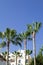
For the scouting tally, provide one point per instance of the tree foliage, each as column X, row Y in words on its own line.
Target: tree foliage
column 39, row 59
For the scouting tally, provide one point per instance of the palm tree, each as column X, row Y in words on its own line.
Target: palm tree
column 34, row 28
column 28, row 52
column 25, row 36
column 9, row 36
column 4, row 54
column 16, row 55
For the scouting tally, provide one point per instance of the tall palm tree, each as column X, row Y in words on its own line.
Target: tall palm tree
column 16, row 55
column 9, row 36
column 25, row 36
column 34, row 28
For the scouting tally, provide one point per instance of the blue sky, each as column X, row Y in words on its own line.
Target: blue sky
column 17, row 14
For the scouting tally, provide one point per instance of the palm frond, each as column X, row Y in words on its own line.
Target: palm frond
column 18, row 43
column 36, row 26
column 24, row 35
column 29, row 28
column 7, row 33
column 28, row 52
column 16, row 53
column 12, row 41
column 2, row 35
column 41, row 48
column 4, row 53
column 18, row 38
column 13, row 34
column 3, row 44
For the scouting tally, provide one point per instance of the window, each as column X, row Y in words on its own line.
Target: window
column 19, row 61
column 26, row 60
column 9, row 56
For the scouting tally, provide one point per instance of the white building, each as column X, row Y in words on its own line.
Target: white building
column 20, row 59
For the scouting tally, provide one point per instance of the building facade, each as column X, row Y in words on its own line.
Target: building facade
column 19, row 60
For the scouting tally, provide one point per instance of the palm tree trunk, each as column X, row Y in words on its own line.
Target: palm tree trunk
column 25, row 44
column 34, row 48
column 25, row 47
column 16, row 59
column 7, row 53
